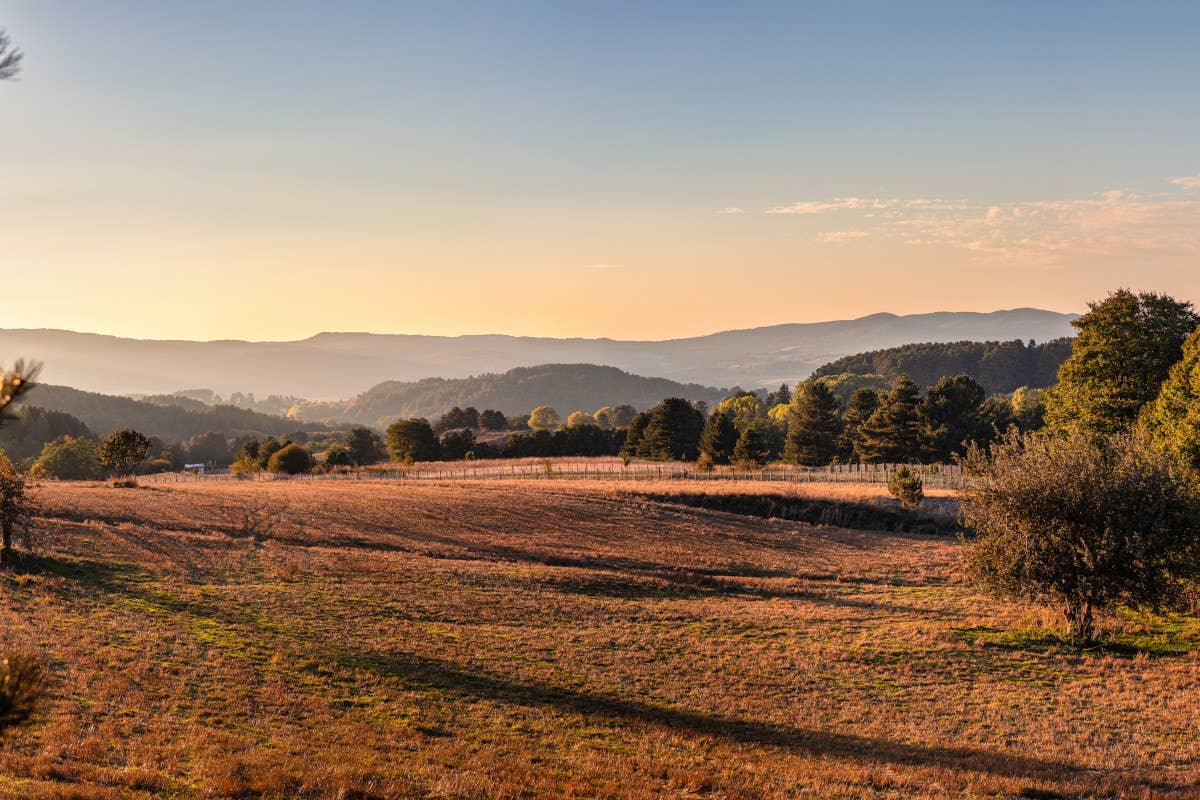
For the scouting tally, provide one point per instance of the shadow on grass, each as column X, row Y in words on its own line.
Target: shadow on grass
column 1159, row 637
column 855, row 515
column 431, row 673
column 98, row 576
column 436, row 674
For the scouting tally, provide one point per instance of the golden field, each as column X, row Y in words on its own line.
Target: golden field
column 512, row 639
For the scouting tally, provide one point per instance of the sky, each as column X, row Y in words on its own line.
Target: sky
column 268, row 170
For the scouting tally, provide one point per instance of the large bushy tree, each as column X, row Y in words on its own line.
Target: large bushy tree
column 365, row 446
column 1083, row 521
column 1126, row 346
column 814, row 425
column 892, row 433
column 544, row 418
column 70, row 459
column 412, row 440
column 1174, row 416
column 744, row 407
column 291, row 459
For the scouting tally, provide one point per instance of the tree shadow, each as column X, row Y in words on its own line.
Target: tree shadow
column 1042, row 641
column 436, row 674
column 97, row 576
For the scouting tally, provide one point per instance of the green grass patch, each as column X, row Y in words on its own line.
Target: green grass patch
column 1138, row 634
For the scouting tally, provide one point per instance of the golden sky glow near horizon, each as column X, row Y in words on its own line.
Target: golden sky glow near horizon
column 589, row 173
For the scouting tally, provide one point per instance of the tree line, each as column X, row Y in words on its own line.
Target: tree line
column 1000, row 367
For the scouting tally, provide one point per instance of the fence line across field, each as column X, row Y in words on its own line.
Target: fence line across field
column 936, row 476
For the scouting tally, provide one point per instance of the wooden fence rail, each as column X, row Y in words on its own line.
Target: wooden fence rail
column 940, row 476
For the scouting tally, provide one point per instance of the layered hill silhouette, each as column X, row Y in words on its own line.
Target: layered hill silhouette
column 566, row 387
column 332, row 366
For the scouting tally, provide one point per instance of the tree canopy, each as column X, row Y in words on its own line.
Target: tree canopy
column 1125, row 349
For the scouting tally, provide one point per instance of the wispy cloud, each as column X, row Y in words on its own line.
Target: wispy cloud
column 806, row 207
column 1110, row 223
column 731, row 210
column 601, row 266
column 838, row 237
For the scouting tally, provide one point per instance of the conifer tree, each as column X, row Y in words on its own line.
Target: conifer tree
column 757, row 444
column 892, row 434
column 952, row 417
column 860, row 408
column 814, row 426
column 672, row 431
column 719, row 437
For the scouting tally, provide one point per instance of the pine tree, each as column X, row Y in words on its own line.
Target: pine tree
column 672, row 431
column 1126, row 346
column 757, row 444
column 860, row 408
column 814, row 426
column 719, row 437
column 780, row 397
column 951, row 418
column 892, row 434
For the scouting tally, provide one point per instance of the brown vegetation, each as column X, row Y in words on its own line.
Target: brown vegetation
column 570, row 639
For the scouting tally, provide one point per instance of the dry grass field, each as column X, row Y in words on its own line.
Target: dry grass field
column 525, row 640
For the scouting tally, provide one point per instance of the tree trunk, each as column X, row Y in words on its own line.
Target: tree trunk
column 1079, row 620
column 6, row 548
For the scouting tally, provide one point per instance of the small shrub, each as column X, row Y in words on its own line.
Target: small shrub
column 906, row 486
column 704, row 463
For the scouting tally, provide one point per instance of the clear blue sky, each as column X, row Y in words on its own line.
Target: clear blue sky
column 265, row 170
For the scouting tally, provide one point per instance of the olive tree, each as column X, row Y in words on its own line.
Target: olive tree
column 1084, row 523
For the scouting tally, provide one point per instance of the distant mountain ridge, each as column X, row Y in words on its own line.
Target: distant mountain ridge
column 178, row 420
column 566, row 387
column 332, row 366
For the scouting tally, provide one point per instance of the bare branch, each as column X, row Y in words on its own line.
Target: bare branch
column 10, row 58
column 16, row 382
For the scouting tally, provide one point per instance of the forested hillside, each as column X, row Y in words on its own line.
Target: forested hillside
column 177, row 420
column 997, row 366
column 567, row 387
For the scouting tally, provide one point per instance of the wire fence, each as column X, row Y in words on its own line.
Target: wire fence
column 939, row 476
